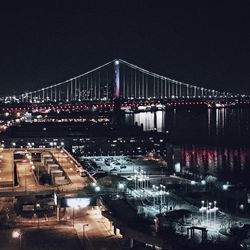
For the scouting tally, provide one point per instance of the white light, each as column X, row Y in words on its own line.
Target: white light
column 16, row 234
column 78, row 202
column 116, row 62
column 121, row 186
column 97, row 188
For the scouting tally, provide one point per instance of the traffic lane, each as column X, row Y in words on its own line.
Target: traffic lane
column 97, row 235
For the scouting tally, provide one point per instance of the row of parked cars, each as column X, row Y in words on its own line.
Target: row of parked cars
column 93, row 168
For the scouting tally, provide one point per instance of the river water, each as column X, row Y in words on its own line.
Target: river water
column 210, row 141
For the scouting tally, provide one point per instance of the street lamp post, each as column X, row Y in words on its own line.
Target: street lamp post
column 147, row 182
column 202, row 209
column 156, row 194
column 135, row 178
column 215, row 210
column 141, row 179
column 83, row 233
column 210, row 212
column 167, row 193
column 153, row 194
column 164, row 195
column 25, row 178
column 161, row 195
column 17, row 235
column 121, row 187
column 207, row 210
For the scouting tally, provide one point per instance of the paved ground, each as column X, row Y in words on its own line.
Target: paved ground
column 94, row 230
column 125, row 165
column 46, row 238
column 91, row 231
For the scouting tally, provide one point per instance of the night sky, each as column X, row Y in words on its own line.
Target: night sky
column 206, row 43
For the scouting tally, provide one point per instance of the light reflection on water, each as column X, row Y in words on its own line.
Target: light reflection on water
column 211, row 141
column 188, row 123
column 150, row 120
column 227, row 162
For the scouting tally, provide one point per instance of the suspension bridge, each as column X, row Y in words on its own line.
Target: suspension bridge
column 116, row 79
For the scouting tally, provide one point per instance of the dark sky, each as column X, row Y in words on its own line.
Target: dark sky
column 206, row 43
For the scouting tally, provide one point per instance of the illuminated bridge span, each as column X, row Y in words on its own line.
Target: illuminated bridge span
column 116, row 79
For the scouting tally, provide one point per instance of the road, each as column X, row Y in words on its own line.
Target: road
column 94, row 230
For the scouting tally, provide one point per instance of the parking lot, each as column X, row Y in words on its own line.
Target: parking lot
column 121, row 165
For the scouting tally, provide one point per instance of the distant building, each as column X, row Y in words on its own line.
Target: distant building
column 88, row 138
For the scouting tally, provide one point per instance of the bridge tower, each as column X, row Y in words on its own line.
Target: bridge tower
column 117, row 79
column 117, row 113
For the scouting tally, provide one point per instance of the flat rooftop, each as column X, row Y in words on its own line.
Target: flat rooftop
column 6, row 168
column 26, row 177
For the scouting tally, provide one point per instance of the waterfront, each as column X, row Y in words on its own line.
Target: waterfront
column 198, row 124
column 208, row 141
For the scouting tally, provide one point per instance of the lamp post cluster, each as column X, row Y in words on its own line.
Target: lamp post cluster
column 141, row 180
column 208, row 212
column 160, row 196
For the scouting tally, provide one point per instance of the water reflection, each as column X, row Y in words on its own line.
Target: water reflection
column 198, row 125
column 228, row 163
column 150, row 120
column 225, row 132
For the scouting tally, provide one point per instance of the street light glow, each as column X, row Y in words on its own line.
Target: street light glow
column 16, row 234
column 121, row 186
